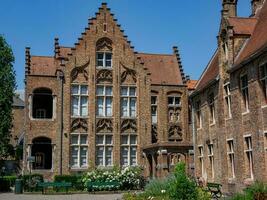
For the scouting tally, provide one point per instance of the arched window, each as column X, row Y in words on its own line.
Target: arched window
column 42, row 151
column 104, row 53
column 42, row 104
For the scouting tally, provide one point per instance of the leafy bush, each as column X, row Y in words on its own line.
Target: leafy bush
column 128, row 178
column 30, row 181
column 6, row 182
column 74, row 179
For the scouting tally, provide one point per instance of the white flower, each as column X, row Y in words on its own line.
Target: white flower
column 163, row 191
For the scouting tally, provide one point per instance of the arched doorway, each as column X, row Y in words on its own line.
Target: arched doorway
column 42, row 151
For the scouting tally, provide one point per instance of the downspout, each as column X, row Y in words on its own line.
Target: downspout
column 194, row 135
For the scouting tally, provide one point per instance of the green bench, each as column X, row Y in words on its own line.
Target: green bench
column 98, row 185
column 215, row 189
column 57, row 185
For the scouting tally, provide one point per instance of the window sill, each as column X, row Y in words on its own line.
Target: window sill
column 42, row 119
column 101, row 67
column 104, row 117
column 42, row 170
column 264, row 106
column 129, row 117
column 81, row 117
column 213, row 124
column 199, row 129
column 245, row 113
column 78, row 168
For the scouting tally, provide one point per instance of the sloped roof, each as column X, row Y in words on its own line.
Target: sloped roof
column 164, row 68
column 242, row 26
column 17, row 101
column 191, row 84
column 42, row 65
column 258, row 39
column 210, row 73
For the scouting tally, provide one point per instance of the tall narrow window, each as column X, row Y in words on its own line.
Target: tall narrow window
column 201, row 159
column 79, row 103
column 263, row 79
column 128, row 150
column 104, row 149
column 154, row 108
column 104, row 101
column 199, row 114
column 212, row 108
column 174, row 106
column 231, row 158
column 42, row 104
column 244, row 90
column 211, row 158
column 128, row 101
column 79, row 150
column 104, row 59
column 227, row 97
column 249, row 158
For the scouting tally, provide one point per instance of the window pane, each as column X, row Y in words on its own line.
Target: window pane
column 108, row 56
column 133, row 107
column 133, row 139
column 124, row 139
column 83, row 89
column 74, row 89
column 109, row 156
column 108, row 63
column 109, row 90
column 99, row 139
column 74, row 139
column 84, row 109
column 75, row 103
column 108, row 139
column 100, row 90
column 109, row 106
column 99, row 154
column 100, row 107
column 153, row 100
column 83, row 139
column 83, row 154
column 124, row 107
column 100, row 55
column 124, row 91
column 74, row 156
column 124, row 156
column 100, row 63
column 133, row 156
column 170, row 100
column 177, row 100
column 132, row 91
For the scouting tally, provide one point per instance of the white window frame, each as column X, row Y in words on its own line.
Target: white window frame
column 248, row 151
column 211, row 103
column 201, row 158
column 40, row 113
column 173, row 104
column 105, row 146
column 245, row 92
column 79, row 95
column 154, row 106
column 103, row 60
column 129, row 146
column 227, row 98
column 211, row 158
column 263, row 80
column 79, row 145
column 104, row 96
column 231, row 156
column 129, row 98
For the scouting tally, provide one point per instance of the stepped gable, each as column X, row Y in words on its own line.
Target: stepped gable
column 258, row 39
column 242, row 26
column 164, row 68
column 210, row 73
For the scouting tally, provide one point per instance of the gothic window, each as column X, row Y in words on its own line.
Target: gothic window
column 231, row 158
column 104, row 59
column 42, row 105
column 199, row 114
column 211, row 108
column 174, row 105
column 128, row 101
column 128, row 150
column 249, row 158
column 104, row 150
column 154, row 114
column 79, row 150
column 263, row 79
column 211, row 158
column 104, row 101
column 227, row 97
column 201, row 159
column 244, row 91
column 79, row 100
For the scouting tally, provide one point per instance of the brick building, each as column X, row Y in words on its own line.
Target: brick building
column 229, row 103
column 101, row 104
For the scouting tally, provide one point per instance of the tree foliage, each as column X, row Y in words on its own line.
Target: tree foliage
column 7, row 88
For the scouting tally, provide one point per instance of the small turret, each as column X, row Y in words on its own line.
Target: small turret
column 229, row 8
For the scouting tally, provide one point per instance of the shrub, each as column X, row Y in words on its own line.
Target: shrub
column 30, row 181
column 74, row 179
column 6, row 182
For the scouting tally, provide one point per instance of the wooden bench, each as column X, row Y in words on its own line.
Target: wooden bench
column 57, row 185
column 97, row 185
column 215, row 189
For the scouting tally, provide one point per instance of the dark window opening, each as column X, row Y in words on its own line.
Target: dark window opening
column 42, row 151
column 42, row 104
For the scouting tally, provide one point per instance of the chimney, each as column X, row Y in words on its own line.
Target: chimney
column 229, row 8
column 255, row 6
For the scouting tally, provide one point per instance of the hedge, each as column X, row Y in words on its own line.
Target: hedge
column 6, row 182
column 30, row 181
column 76, row 180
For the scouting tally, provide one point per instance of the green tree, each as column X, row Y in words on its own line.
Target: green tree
column 7, row 88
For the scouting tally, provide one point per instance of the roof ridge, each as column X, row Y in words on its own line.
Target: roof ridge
column 162, row 54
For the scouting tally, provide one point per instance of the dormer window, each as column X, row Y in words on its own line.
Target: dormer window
column 104, row 59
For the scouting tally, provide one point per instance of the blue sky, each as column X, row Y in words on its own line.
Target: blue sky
column 153, row 26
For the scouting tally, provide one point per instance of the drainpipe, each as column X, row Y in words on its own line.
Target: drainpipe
column 194, row 134
column 61, row 77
